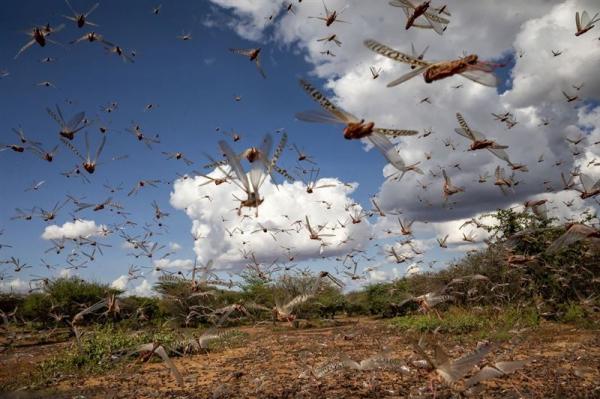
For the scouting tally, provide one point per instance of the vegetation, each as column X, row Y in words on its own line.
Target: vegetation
column 515, row 269
column 486, row 323
column 102, row 347
column 107, row 347
column 493, row 297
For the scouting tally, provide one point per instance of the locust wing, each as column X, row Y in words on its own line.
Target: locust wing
column 395, row 55
column 465, row 130
column 75, row 121
column 387, row 148
column 486, row 78
column 340, row 116
column 234, row 163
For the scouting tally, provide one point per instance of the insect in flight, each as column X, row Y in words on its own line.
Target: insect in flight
column 375, row 71
column 330, row 16
column 584, row 23
column 42, row 153
column 416, row 13
column 81, row 19
column 355, row 128
column 92, row 37
column 331, row 38
column 39, row 35
column 419, row 56
column 469, row 66
column 479, row 141
column 250, row 183
column 253, row 55
column 88, row 164
column 68, row 130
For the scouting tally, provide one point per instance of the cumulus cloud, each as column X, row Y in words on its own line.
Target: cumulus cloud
column 65, row 273
column 229, row 239
column 174, row 246
column 538, row 76
column 458, row 229
column 78, row 228
column 531, row 29
column 378, row 276
column 177, row 264
column 144, row 288
column 120, row 283
column 253, row 15
column 514, row 32
column 127, row 245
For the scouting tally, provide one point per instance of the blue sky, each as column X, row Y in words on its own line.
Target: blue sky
column 193, row 83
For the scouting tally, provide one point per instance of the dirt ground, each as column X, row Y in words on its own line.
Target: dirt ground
column 274, row 362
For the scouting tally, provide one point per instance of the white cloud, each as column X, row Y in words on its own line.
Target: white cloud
column 174, row 246
column 539, row 77
column 253, row 15
column 144, row 288
column 65, row 273
column 377, row 276
column 120, row 283
column 492, row 30
column 526, row 141
column 127, row 245
column 455, row 233
column 589, row 121
column 227, row 237
column 413, row 269
column 78, row 228
column 181, row 264
column 564, row 205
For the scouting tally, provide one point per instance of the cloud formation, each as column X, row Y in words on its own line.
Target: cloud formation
column 78, row 228
column 279, row 231
column 520, row 34
column 528, row 31
column 143, row 288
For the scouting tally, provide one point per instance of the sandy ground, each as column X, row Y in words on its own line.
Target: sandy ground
column 274, row 362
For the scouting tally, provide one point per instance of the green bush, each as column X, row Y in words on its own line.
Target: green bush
column 36, row 307
column 551, row 283
column 70, row 295
column 257, row 290
column 142, row 310
column 330, row 301
column 356, row 303
column 573, row 313
column 378, row 298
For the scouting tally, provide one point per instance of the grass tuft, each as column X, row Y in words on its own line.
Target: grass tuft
column 485, row 323
column 455, row 321
column 574, row 313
